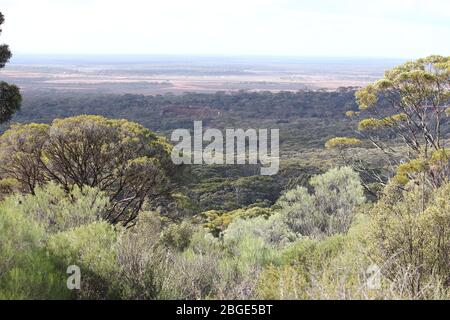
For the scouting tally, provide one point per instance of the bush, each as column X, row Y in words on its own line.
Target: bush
column 177, row 236
column 298, row 211
column 143, row 260
column 329, row 210
column 332, row 268
column 271, row 230
column 411, row 238
column 26, row 271
column 338, row 192
column 191, row 276
column 218, row 221
column 57, row 210
column 92, row 248
column 208, row 270
column 281, row 283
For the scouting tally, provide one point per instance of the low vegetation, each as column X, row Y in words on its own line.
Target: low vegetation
column 102, row 194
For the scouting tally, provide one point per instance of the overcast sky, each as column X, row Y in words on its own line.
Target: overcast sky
column 350, row 28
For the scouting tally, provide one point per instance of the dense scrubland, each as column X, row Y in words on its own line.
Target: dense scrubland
column 359, row 209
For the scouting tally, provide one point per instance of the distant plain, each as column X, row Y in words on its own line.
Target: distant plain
column 152, row 75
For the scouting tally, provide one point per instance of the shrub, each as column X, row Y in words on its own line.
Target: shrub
column 207, row 269
column 338, row 192
column 92, row 248
column 331, row 268
column 191, row 276
column 281, row 282
column 177, row 236
column 26, row 272
column 57, row 210
column 411, row 239
column 143, row 261
column 271, row 230
column 329, row 210
column 218, row 221
column 298, row 212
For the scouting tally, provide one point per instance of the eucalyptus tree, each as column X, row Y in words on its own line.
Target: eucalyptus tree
column 10, row 98
column 405, row 115
column 125, row 160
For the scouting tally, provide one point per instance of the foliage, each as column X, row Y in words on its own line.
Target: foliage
column 91, row 247
column 329, row 209
column 303, row 265
column 338, row 192
column 20, row 155
column 56, row 210
column 177, row 235
column 218, row 221
column 306, row 120
column 342, row 142
column 374, row 124
column 417, row 92
column 26, row 272
column 434, row 170
column 272, row 230
column 43, row 234
column 406, row 107
column 10, row 98
column 405, row 170
column 336, row 267
column 191, row 277
column 411, row 237
column 62, row 183
column 166, row 112
column 90, row 151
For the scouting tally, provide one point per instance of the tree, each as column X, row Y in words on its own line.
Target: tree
column 409, row 104
column 127, row 161
column 20, row 157
column 416, row 95
column 10, row 98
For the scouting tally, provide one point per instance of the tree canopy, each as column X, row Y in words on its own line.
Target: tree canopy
column 409, row 104
column 416, row 95
column 122, row 158
column 10, row 98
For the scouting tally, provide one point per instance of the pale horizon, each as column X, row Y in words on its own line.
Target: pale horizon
column 396, row 29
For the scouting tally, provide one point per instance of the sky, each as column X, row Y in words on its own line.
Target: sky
column 315, row 28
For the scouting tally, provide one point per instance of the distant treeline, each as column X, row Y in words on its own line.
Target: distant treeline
column 165, row 112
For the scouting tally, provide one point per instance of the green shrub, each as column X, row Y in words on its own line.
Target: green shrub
column 327, row 211
column 218, row 221
column 332, row 268
column 92, row 248
column 411, row 239
column 210, row 269
column 143, row 260
column 281, row 283
column 271, row 230
column 190, row 276
column 298, row 212
column 57, row 210
column 26, row 271
column 177, row 236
